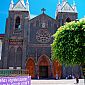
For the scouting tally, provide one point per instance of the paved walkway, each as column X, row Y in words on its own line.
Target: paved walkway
column 57, row 82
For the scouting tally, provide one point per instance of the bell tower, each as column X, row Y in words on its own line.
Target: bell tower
column 17, row 15
column 65, row 12
column 15, row 38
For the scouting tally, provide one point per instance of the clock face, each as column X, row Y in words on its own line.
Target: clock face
column 43, row 36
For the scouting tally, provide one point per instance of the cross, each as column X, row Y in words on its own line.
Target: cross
column 43, row 10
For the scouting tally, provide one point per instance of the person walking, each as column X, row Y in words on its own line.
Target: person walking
column 77, row 80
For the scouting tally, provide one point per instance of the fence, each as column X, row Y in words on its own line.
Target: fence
column 13, row 72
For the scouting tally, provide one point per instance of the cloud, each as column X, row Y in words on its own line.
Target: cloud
column 32, row 16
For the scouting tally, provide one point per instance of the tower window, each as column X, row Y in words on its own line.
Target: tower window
column 68, row 20
column 17, row 23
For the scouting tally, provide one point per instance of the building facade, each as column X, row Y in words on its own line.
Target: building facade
column 27, row 42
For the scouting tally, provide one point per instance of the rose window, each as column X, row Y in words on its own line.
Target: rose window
column 43, row 36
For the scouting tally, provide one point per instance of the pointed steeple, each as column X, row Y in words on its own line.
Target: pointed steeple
column 58, row 1
column 22, row 2
column 11, row 5
column 27, row 5
column 74, row 6
column 59, row 6
column 63, row 2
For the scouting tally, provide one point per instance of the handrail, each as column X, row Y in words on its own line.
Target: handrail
column 13, row 72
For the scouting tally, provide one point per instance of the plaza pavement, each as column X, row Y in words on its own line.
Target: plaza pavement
column 57, row 82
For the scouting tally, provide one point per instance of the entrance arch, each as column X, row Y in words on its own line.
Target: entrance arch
column 43, row 66
column 30, row 67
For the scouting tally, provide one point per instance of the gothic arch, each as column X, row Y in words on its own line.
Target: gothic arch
column 17, row 22
column 68, row 20
column 30, row 67
column 44, row 70
column 11, row 58
column 43, row 58
column 19, row 57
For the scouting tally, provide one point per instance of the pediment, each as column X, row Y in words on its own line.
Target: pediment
column 67, row 8
column 43, row 17
column 19, row 7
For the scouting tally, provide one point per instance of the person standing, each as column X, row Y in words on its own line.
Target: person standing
column 56, row 76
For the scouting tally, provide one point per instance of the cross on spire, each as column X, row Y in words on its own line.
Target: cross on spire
column 43, row 10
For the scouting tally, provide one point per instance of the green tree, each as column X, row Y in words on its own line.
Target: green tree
column 68, row 46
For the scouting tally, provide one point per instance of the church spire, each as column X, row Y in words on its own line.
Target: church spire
column 63, row 2
column 11, row 5
column 59, row 6
column 27, row 5
column 22, row 2
column 74, row 6
column 58, row 2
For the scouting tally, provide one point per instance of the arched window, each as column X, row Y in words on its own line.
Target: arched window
column 37, row 23
column 17, row 22
column 19, row 57
column 11, row 59
column 49, row 23
column 68, row 20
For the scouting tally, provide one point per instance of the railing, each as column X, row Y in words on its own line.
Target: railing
column 13, row 72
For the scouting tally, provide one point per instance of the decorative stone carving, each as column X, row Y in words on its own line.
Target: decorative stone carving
column 43, row 25
column 43, row 36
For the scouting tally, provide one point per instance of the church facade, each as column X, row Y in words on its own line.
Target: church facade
column 26, row 43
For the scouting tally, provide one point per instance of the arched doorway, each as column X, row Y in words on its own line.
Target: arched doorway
column 43, row 67
column 30, row 67
column 57, row 69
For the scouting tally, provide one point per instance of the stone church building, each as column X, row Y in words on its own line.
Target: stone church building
column 26, row 43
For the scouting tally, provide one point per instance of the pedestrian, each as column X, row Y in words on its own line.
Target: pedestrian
column 56, row 76
column 77, row 80
column 38, row 76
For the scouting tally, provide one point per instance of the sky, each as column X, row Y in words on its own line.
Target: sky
column 35, row 9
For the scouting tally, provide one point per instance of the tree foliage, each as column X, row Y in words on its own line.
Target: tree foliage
column 68, row 46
